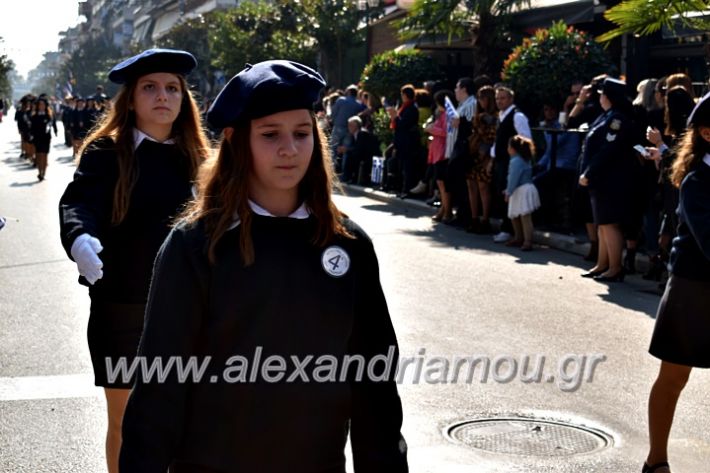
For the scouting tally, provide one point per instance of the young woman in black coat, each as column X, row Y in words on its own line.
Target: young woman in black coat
column 41, row 124
column 265, row 267
column 681, row 337
column 135, row 174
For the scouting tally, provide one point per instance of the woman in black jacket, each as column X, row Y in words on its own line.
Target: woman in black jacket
column 681, row 336
column 135, row 174
column 264, row 274
column 41, row 124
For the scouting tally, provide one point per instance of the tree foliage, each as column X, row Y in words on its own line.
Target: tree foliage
column 484, row 22
column 193, row 36
column 89, row 65
column 257, row 31
column 6, row 68
column 543, row 67
column 334, row 25
column 389, row 71
column 644, row 17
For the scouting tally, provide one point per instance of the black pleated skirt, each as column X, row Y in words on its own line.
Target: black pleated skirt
column 682, row 331
column 114, row 333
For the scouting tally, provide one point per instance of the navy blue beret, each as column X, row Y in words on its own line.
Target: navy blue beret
column 700, row 115
column 150, row 61
column 263, row 89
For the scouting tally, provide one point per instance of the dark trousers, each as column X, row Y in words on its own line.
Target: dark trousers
column 499, row 208
column 458, row 167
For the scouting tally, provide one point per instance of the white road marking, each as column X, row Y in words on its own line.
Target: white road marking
column 48, row 387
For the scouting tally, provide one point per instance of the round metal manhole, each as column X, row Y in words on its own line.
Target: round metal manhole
column 528, row 436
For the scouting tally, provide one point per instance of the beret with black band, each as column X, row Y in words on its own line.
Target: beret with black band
column 700, row 116
column 153, row 60
column 263, row 89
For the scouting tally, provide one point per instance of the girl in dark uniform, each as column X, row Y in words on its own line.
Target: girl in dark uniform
column 134, row 175
column 607, row 160
column 681, row 337
column 264, row 266
column 41, row 124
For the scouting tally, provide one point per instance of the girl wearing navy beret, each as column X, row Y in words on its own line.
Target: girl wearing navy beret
column 134, row 175
column 271, row 290
column 681, row 337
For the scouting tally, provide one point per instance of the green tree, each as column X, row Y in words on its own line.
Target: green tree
column 6, row 68
column 543, row 67
column 257, row 31
column 485, row 22
column 389, row 71
column 90, row 64
column 644, row 17
column 335, row 26
column 193, row 36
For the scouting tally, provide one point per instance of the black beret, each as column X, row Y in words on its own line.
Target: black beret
column 700, row 116
column 150, row 61
column 263, row 89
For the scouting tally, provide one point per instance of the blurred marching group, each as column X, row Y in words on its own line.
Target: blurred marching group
column 37, row 116
column 598, row 160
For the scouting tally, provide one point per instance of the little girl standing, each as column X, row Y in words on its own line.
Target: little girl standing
column 521, row 194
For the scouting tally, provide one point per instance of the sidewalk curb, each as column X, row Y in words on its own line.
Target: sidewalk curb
column 557, row 241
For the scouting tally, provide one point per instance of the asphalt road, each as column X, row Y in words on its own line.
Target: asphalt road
column 450, row 294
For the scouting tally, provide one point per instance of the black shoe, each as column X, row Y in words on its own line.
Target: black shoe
column 457, row 222
column 618, row 277
column 591, row 274
column 653, row 468
column 473, row 226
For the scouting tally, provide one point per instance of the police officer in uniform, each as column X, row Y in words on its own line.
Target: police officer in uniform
column 607, row 161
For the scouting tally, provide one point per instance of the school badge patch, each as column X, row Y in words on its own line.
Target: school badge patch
column 335, row 261
column 610, row 137
column 615, row 124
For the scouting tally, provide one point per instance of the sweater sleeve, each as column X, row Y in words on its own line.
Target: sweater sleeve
column 376, row 418
column 87, row 202
column 695, row 211
column 154, row 417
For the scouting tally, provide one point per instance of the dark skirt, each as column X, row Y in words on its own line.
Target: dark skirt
column 682, row 331
column 609, row 207
column 114, row 333
column 42, row 145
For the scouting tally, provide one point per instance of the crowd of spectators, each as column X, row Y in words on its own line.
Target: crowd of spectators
column 598, row 161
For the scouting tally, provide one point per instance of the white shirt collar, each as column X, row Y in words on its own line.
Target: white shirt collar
column 706, row 159
column 139, row 136
column 505, row 112
column 301, row 213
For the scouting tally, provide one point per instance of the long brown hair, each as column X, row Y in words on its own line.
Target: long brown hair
column 691, row 150
column 118, row 123
column 223, row 192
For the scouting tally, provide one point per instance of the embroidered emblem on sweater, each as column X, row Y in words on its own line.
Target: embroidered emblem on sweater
column 615, row 124
column 610, row 137
column 335, row 261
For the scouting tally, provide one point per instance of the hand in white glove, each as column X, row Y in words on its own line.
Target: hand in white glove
column 85, row 251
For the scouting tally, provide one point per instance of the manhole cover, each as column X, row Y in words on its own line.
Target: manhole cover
column 528, row 436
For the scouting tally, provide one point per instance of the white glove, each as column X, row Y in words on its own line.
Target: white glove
column 85, row 251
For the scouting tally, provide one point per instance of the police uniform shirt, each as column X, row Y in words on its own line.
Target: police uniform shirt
column 296, row 299
column 606, row 147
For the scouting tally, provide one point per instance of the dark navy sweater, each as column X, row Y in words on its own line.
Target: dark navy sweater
column 162, row 188
column 289, row 305
column 690, row 255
